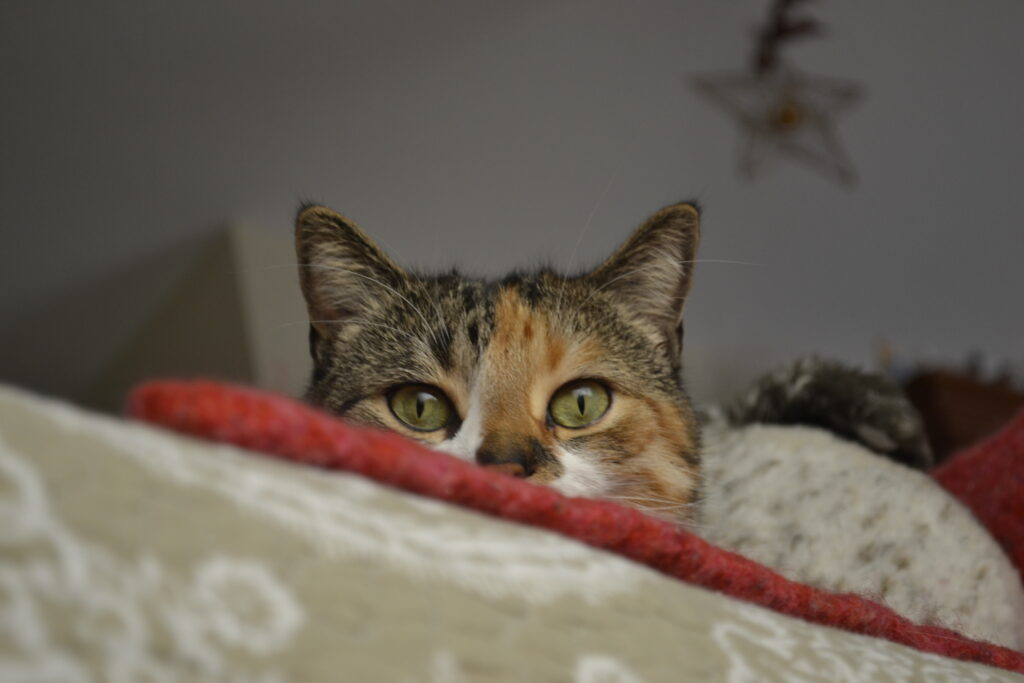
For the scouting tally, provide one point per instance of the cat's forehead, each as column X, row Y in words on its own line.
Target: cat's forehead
column 504, row 313
column 532, row 326
column 521, row 336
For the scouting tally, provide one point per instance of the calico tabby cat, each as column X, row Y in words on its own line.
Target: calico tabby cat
column 570, row 382
column 575, row 383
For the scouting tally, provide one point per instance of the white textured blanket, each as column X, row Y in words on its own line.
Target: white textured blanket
column 127, row 554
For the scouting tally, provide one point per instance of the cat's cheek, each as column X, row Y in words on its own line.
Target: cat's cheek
column 580, row 477
column 367, row 413
column 461, row 448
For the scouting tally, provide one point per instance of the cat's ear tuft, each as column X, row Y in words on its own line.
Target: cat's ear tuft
column 651, row 273
column 343, row 274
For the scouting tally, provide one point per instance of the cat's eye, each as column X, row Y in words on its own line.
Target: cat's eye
column 579, row 403
column 420, row 407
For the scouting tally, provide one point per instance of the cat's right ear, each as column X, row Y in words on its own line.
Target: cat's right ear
column 343, row 274
column 652, row 272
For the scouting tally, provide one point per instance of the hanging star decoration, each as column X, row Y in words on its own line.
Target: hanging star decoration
column 783, row 111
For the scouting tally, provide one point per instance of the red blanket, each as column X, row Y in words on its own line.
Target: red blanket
column 988, row 478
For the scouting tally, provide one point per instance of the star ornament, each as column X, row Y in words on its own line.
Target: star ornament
column 786, row 113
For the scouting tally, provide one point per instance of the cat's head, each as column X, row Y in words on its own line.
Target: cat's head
column 573, row 382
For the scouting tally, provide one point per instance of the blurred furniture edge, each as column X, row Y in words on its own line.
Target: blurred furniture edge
column 236, row 315
column 960, row 410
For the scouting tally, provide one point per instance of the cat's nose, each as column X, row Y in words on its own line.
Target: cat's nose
column 515, row 456
column 512, row 469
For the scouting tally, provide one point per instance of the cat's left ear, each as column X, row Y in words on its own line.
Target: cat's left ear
column 652, row 271
column 343, row 274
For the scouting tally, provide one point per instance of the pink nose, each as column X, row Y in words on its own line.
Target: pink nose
column 512, row 469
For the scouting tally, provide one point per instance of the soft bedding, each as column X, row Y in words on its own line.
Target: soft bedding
column 128, row 553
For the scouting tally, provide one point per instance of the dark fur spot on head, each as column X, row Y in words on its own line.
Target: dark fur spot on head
column 532, row 292
column 473, row 331
column 441, row 347
column 469, row 298
column 528, row 286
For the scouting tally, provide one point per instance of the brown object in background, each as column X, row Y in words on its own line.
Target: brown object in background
column 959, row 410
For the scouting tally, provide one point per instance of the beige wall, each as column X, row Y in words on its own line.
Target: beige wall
column 498, row 134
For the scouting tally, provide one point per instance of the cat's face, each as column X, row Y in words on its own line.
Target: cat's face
column 572, row 382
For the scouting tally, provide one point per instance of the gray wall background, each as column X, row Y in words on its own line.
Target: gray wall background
column 494, row 134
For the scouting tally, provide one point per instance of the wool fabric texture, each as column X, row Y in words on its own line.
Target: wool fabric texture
column 988, row 478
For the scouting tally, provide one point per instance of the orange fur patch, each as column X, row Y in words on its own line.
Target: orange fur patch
column 529, row 358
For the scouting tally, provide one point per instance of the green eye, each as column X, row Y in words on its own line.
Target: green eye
column 420, row 407
column 579, row 403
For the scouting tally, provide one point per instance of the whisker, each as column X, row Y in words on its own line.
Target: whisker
column 723, row 260
column 652, row 499
column 610, row 282
column 664, row 508
column 350, row 321
column 430, row 329
column 640, row 270
column 437, row 310
column 646, row 506
column 579, row 241
column 671, row 258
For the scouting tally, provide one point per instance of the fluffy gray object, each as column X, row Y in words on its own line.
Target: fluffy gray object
column 863, row 407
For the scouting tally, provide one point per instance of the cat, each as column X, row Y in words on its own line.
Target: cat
column 570, row 382
column 575, row 382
